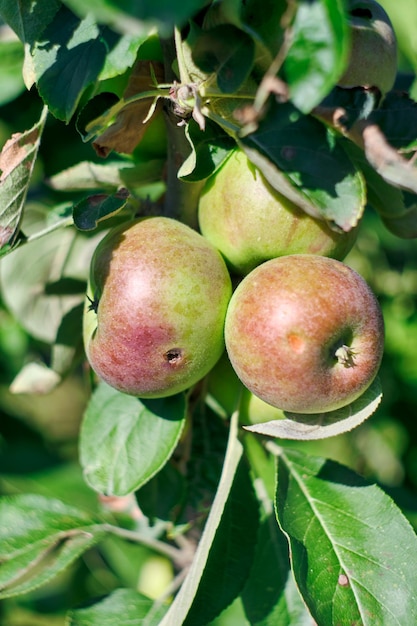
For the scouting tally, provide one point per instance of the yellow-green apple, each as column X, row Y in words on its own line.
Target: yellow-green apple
column 372, row 60
column 305, row 333
column 250, row 222
column 155, row 308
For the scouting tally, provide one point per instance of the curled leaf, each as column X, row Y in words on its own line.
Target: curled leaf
column 17, row 159
column 323, row 425
column 132, row 121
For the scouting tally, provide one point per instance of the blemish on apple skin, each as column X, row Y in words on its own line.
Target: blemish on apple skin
column 297, row 343
column 174, row 356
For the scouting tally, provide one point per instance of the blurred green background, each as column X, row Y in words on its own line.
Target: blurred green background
column 38, row 434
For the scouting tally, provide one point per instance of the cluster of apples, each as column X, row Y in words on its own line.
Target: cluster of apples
column 302, row 330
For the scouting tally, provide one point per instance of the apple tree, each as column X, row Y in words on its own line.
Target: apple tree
column 208, row 313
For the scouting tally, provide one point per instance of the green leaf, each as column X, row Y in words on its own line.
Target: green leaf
column 28, row 19
column 27, row 272
column 67, row 59
column 124, row 441
column 35, row 378
column 264, row 589
column 231, row 553
column 39, row 537
column 88, row 175
column 270, row 596
column 304, row 162
column 124, row 607
column 17, row 160
column 226, row 51
column 353, row 551
column 309, row 427
column 89, row 212
column 138, row 17
column 318, row 52
column 209, row 149
column 11, row 63
column 183, row 601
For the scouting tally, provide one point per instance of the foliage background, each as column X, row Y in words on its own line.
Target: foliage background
column 38, row 434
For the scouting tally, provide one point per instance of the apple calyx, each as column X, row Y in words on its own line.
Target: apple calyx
column 345, row 356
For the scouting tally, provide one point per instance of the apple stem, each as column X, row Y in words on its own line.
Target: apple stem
column 181, row 198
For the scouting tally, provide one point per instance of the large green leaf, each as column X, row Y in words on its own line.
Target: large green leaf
column 353, row 552
column 39, row 537
column 124, row 607
column 183, row 601
column 318, row 51
column 68, row 58
column 231, row 553
column 125, row 441
column 302, row 160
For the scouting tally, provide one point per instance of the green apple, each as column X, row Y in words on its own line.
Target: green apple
column 250, row 222
column 155, row 308
column 373, row 49
column 305, row 333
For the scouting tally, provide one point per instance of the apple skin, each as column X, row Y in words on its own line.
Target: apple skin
column 305, row 333
column 155, row 308
column 373, row 49
column 250, row 222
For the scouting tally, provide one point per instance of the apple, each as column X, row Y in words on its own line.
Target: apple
column 373, row 49
column 155, row 308
column 250, row 222
column 305, row 333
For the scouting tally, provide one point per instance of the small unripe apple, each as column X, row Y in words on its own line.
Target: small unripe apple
column 250, row 222
column 373, row 48
column 305, row 333
column 157, row 300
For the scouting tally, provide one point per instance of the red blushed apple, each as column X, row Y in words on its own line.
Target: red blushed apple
column 157, row 300
column 250, row 222
column 305, row 333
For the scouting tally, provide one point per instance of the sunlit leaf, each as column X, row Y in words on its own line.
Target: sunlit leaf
column 352, row 550
column 313, row 426
column 28, row 19
column 36, row 378
column 318, row 51
column 67, row 59
column 110, row 176
column 125, row 441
